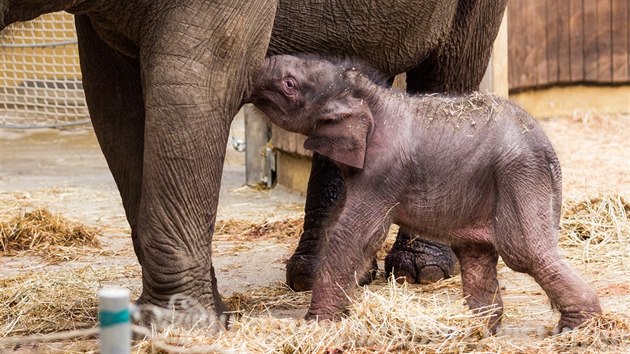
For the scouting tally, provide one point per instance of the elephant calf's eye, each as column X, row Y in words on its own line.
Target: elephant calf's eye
column 289, row 86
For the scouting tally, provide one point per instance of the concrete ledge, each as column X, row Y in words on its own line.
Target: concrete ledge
column 563, row 101
column 293, row 171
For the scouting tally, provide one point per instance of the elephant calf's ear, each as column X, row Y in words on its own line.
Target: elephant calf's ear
column 342, row 132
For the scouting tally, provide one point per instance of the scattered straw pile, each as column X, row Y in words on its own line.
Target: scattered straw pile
column 598, row 220
column 240, row 230
column 384, row 317
column 45, row 302
column 391, row 318
column 418, row 319
column 606, row 332
column 599, row 227
column 41, row 233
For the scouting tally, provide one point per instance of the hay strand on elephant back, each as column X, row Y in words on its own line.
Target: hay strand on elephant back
column 40, row 232
column 468, row 105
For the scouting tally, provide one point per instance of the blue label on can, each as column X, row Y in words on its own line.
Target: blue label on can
column 110, row 318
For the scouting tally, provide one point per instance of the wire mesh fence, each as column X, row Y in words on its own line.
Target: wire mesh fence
column 40, row 77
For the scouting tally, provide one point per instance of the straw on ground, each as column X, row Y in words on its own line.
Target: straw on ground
column 383, row 317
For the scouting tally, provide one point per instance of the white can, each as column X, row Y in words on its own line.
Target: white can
column 114, row 321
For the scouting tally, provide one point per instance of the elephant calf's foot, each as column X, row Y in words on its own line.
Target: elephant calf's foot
column 332, row 310
column 420, row 262
column 571, row 320
column 325, row 316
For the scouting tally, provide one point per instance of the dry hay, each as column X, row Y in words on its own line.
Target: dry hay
column 42, row 233
column 599, row 227
column 384, row 317
column 46, row 302
column 390, row 318
column 240, row 230
column 597, row 220
column 278, row 296
column 281, row 297
column 598, row 334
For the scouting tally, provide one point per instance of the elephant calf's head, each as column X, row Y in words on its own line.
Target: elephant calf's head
column 321, row 99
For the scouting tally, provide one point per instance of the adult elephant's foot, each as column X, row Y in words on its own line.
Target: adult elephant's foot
column 301, row 271
column 196, row 307
column 418, row 261
column 183, row 311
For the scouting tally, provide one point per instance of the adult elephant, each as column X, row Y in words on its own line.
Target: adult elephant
column 163, row 79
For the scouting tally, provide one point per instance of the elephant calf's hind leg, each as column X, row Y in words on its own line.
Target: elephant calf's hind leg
column 526, row 241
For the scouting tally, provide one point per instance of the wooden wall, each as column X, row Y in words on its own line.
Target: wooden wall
column 568, row 41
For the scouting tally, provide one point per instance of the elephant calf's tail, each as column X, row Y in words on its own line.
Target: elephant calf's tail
column 556, row 185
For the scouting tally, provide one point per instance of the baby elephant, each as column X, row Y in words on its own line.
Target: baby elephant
column 475, row 170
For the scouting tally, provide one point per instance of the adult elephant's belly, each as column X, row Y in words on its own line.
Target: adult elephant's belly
column 393, row 36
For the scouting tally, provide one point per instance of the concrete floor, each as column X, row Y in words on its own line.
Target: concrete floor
column 65, row 172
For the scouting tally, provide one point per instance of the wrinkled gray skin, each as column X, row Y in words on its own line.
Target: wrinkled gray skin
column 475, row 171
column 164, row 78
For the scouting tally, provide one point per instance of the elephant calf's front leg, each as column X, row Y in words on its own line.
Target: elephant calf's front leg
column 347, row 254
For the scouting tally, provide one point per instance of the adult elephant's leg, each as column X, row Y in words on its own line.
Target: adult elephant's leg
column 325, row 188
column 197, row 65
column 457, row 66
column 113, row 92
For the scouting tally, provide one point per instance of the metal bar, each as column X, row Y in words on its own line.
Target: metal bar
column 26, row 126
column 39, row 45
